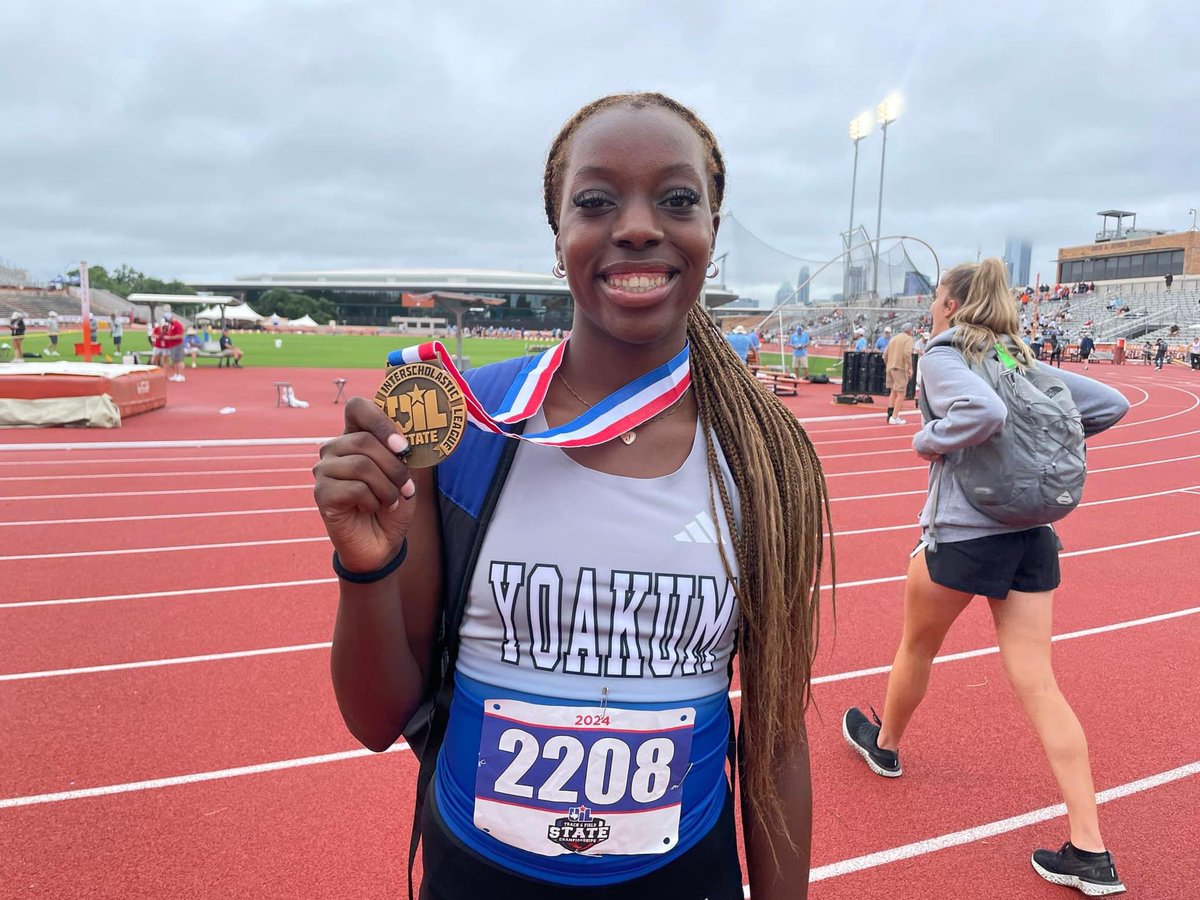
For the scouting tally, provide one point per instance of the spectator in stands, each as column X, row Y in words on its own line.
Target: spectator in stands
column 52, row 333
column 117, row 326
column 229, row 349
column 16, row 325
column 882, row 341
column 1169, row 279
column 1194, row 354
column 799, row 342
column 741, row 342
column 192, row 345
column 1086, row 348
column 897, row 363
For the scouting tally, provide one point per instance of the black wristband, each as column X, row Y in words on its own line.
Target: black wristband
column 370, row 577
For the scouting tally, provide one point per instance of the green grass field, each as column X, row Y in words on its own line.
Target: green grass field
column 334, row 351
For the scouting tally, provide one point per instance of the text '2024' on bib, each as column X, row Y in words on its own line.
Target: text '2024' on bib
column 429, row 408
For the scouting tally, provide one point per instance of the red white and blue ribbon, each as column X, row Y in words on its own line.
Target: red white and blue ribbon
column 622, row 411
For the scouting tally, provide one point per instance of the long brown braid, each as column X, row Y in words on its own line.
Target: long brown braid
column 784, row 507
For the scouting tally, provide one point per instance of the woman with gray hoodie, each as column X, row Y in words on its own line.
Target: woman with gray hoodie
column 1014, row 566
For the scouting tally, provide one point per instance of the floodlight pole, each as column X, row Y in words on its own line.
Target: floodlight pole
column 879, row 210
column 850, row 229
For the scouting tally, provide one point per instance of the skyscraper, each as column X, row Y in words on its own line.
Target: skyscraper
column 803, row 281
column 1017, row 253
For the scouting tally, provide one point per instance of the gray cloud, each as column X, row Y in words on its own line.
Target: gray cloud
column 208, row 139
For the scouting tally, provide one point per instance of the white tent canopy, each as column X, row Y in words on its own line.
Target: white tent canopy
column 305, row 321
column 238, row 312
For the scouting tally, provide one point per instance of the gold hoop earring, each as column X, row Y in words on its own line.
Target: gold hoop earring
column 712, row 271
column 559, row 270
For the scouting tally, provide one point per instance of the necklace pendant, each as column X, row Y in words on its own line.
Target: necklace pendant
column 629, row 437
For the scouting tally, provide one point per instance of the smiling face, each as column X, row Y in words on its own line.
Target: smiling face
column 636, row 225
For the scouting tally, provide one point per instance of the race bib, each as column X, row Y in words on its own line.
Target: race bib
column 585, row 780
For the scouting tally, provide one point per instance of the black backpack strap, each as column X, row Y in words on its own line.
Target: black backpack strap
column 482, row 460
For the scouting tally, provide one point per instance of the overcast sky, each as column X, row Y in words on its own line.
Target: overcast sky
column 206, row 140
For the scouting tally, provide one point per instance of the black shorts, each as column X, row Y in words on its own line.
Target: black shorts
column 1084, row 354
column 994, row 565
column 710, row 870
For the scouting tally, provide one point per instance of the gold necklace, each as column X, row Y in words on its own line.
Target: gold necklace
column 630, row 436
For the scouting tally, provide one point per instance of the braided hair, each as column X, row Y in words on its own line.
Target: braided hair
column 784, row 507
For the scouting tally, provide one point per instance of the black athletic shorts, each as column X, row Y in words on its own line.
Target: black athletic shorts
column 710, row 870
column 994, row 565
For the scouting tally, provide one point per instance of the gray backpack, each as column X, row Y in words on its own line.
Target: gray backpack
column 1032, row 471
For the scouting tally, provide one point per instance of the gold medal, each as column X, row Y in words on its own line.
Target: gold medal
column 429, row 408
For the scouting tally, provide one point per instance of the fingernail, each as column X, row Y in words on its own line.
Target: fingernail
column 408, row 489
column 397, row 443
column 394, row 506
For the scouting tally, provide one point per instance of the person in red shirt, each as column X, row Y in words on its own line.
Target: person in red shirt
column 168, row 343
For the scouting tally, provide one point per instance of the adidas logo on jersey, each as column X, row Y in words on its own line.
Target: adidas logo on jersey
column 700, row 530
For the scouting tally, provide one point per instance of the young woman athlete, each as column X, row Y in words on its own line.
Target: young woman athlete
column 589, row 727
column 1015, row 568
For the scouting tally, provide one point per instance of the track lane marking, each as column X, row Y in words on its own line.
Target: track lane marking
column 215, row 490
column 193, row 473
column 991, row 829
column 174, row 548
column 734, row 695
column 888, row 579
column 195, row 777
column 117, row 460
column 228, row 589
column 166, row 516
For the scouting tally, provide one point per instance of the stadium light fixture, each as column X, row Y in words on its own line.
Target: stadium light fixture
column 860, row 126
column 888, row 111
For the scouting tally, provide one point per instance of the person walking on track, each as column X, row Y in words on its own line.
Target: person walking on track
column 1014, row 566
column 897, row 361
column 553, row 629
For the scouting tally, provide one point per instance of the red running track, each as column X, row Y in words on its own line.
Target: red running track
column 171, row 729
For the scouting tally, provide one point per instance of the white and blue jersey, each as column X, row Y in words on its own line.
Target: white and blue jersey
column 589, row 726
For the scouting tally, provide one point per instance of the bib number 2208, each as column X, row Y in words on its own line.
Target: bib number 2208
column 558, row 780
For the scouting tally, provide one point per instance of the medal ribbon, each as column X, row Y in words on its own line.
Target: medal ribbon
column 625, row 409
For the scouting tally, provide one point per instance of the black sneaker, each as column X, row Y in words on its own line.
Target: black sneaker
column 1095, row 875
column 861, row 735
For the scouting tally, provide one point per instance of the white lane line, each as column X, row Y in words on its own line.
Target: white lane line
column 132, row 460
column 169, row 549
column 908, row 449
column 186, row 592
column 1191, row 489
column 820, row 679
column 171, row 661
column 832, row 870
column 194, row 778
column 925, row 467
column 991, row 651
column 194, row 473
column 1142, row 465
column 214, row 490
column 991, row 829
column 1170, row 387
column 891, row 579
column 194, row 515
column 165, row 445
